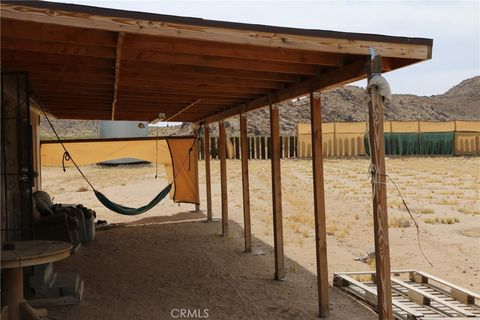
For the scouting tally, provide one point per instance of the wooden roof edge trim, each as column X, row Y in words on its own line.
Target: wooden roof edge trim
column 351, row 72
column 209, row 30
column 76, row 8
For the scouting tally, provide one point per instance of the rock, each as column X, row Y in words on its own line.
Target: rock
column 405, row 223
column 368, row 256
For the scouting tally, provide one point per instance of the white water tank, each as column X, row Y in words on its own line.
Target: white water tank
column 122, row 129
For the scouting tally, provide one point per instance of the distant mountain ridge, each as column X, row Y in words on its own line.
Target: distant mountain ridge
column 347, row 103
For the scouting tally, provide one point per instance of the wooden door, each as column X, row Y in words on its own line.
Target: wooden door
column 16, row 158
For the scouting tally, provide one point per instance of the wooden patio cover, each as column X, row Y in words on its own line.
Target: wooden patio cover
column 95, row 63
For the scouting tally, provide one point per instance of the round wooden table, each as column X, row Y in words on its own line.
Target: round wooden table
column 26, row 254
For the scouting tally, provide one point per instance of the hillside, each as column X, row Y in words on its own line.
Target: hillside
column 348, row 103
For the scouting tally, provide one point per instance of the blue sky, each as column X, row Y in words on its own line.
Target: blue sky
column 454, row 26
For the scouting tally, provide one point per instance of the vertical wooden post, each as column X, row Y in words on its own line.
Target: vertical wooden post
column 276, row 192
column 245, row 182
column 37, row 166
column 208, row 181
column 222, row 150
column 319, row 204
column 380, row 213
column 196, row 147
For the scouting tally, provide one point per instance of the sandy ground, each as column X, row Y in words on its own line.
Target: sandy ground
column 209, row 272
column 148, row 272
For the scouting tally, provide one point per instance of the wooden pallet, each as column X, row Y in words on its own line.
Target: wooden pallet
column 415, row 295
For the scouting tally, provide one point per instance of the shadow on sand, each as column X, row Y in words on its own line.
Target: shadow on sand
column 162, row 264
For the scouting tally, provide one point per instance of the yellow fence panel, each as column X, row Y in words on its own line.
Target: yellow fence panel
column 347, row 138
column 350, row 127
column 387, row 126
column 304, row 146
column 469, row 126
column 303, row 128
column 404, row 126
column 437, row 126
column 349, row 144
column 467, row 143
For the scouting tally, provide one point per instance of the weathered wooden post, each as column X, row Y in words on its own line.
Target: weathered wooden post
column 223, row 176
column 319, row 204
column 208, row 181
column 380, row 214
column 245, row 182
column 196, row 129
column 276, row 192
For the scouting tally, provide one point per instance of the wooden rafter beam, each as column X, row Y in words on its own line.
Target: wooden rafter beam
column 62, row 82
column 351, row 72
column 41, row 67
column 172, row 78
column 187, row 86
column 153, row 103
column 132, row 54
column 141, row 66
column 184, row 100
column 18, row 44
column 58, row 59
column 183, row 110
column 118, row 59
column 195, row 92
column 42, row 90
column 211, row 48
column 70, row 77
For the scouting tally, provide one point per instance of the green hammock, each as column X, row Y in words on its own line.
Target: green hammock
column 132, row 211
column 115, row 207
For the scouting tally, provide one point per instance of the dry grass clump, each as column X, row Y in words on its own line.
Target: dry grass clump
column 340, row 231
column 343, row 234
column 395, row 203
column 426, row 211
column 301, row 219
column 447, row 202
column 447, row 220
column 472, row 211
column 332, row 228
column 446, row 192
column 398, row 222
column 473, row 233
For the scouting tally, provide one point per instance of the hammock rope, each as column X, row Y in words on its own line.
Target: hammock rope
column 109, row 204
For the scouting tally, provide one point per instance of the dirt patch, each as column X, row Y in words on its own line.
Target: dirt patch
column 148, row 272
